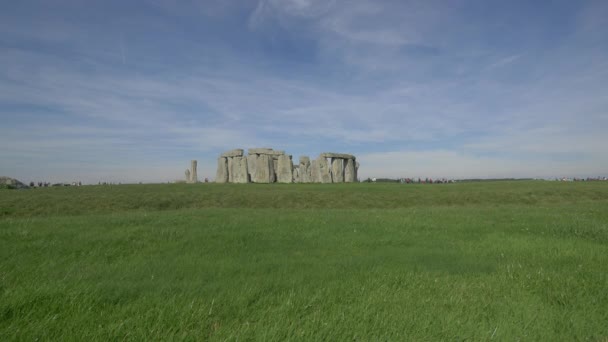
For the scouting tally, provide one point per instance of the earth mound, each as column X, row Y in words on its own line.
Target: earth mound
column 11, row 183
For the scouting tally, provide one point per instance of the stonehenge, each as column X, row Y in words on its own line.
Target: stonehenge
column 265, row 165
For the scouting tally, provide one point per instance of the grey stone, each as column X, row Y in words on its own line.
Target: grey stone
column 263, row 169
column 267, row 151
column 187, row 173
column 239, row 167
column 337, row 155
column 221, row 175
column 296, row 174
column 193, row 175
column 230, row 169
column 309, row 173
column 284, row 169
column 314, row 172
column 275, row 153
column 349, row 171
column 356, row 171
column 262, row 150
column 251, row 163
column 324, row 173
column 275, row 167
column 337, row 170
column 304, row 170
column 233, row 153
column 304, row 160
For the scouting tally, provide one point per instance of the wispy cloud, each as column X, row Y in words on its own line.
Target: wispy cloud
column 504, row 61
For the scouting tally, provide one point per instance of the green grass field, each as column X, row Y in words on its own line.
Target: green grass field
column 466, row 261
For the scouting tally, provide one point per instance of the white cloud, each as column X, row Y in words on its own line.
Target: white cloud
column 505, row 61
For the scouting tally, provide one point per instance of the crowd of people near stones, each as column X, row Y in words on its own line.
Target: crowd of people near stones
column 39, row 184
column 425, row 181
column 409, row 180
column 47, row 184
column 576, row 179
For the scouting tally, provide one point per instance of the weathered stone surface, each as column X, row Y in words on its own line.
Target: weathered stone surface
column 314, row 172
column 337, row 155
column 324, row 173
column 275, row 168
column 309, row 174
column 275, row 153
column 262, row 150
column 263, row 169
column 267, row 151
column 349, row 171
column 284, row 169
column 233, row 153
column 187, row 174
column 239, row 167
column 221, row 175
column 337, row 170
column 296, row 174
column 230, row 169
column 251, row 163
column 193, row 175
column 356, row 171
column 304, row 175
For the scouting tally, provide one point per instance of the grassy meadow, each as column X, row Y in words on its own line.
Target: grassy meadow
column 505, row 261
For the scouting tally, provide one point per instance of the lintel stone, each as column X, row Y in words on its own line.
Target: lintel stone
column 233, row 153
column 337, row 155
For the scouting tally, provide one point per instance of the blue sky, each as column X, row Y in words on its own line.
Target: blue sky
column 131, row 91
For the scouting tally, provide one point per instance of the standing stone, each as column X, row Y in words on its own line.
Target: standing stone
column 230, row 169
column 284, row 169
column 271, row 169
column 314, row 171
column 187, row 173
column 275, row 168
column 193, row 176
column 349, row 171
column 222, row 170
column 263, row 169
column 304, row 169
column 337, row 170
column 251, row 163
column 356, row 171
column 324, row 174
column 239, row 167
column 309, row 173
column 296, row 174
